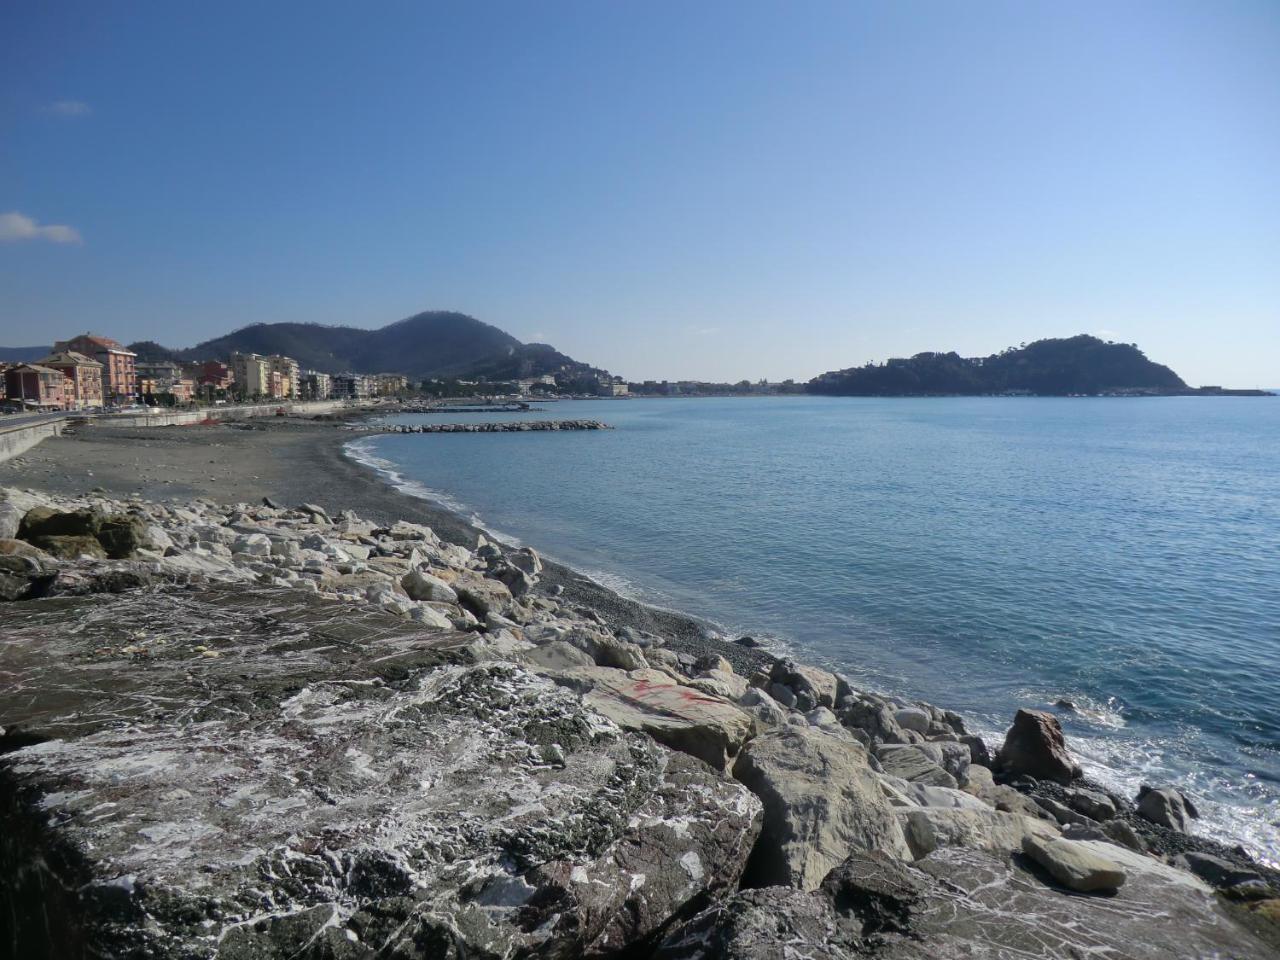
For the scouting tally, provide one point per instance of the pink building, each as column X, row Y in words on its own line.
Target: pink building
column 119, row 374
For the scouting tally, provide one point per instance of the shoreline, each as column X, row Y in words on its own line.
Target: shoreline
column 305, row 459
column 379, row 615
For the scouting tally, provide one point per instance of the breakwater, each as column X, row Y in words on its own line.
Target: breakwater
column 519, row 426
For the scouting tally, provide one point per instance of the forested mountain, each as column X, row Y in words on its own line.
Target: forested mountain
column 431, row 344
column 1057, row 367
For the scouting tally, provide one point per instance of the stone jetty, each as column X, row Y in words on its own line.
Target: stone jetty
column 257, row 732
column 511, row 426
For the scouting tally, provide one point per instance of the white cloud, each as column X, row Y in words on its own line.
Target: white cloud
column 1107, row 334
column 70, row 108
column 538, row 337
column 15, row 227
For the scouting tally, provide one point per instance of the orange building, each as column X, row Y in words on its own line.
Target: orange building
column 33, row 385
column 119, row 374
column 81, row 379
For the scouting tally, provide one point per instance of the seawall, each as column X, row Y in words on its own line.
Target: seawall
column 20, row 437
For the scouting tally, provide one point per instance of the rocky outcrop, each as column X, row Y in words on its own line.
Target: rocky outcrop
column 271, row 732
column 384, row 791
column 1034, row 746
column 1167, row 807
column 821, row 802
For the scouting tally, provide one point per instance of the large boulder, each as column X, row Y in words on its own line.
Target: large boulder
column 70, row 547
column 926, row 829
column 1074, row 865
column 22, row 577
column 48, row 522
column 916, row 763
column 877, row 890
column 1035, row 746
column 420, row 585
column 1167, row 807
column 482, row 596
column 822, row 802
column 812, row 686
column 649, row 701
column 773, row 923
column 122, row 535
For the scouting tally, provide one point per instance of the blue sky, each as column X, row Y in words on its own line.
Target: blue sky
column 719, row 190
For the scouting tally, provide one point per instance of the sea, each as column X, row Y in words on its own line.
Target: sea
column 1113, row 560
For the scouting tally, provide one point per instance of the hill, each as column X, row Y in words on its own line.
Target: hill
column 1055, row 367
column 23, row 354
column 430, row 344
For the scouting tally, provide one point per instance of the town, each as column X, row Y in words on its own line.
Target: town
column 90, row 372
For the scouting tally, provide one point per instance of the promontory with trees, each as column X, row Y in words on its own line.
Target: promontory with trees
column 1081, row 365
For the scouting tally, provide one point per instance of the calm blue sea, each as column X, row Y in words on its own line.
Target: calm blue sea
column 983, row 554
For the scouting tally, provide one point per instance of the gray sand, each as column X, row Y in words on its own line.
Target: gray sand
column 294, row 460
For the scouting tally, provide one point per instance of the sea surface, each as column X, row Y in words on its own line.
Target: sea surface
column 981, row 554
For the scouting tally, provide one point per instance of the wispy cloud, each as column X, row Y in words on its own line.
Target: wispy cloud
column 537, row 337
column 1107, row 334
column 16, row 227
column 70, row 108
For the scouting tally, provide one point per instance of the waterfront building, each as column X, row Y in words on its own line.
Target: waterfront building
column 615, row 387
column 81, row 379
column 351, row 386
column 252, row 375
column 315, row 385
column 34, row 386
column 119, row 365
column 287, row 368
column 216, row 375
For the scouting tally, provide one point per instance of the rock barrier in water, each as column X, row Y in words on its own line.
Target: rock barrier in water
column 522, row 426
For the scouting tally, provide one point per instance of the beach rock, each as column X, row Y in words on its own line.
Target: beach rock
column 720, row 683
column 317, row 513
column 70, row 547
column 876, row 890
column 526, row 559
column 1094, row 805
column 301, row 795
column 1167, row 807
column 772, row 923
column 420, row 585
column 20, row 548
column 763, row 707
column 1074, row 865
column 979, row 753
column 48, row 522
column 22, row 577
column 913, row 718
column 1218, row 871
column 253, row 545
column 925, row 795
column 917, row 763
column 122, row 535
column 649, row 701
column 876, row 719
column 1035, row 746
column 821, row 803
column 556, row 657
column 10, row 519
column 481, row 595
column 928, row 828
column 813, row 687
column 1120, row 832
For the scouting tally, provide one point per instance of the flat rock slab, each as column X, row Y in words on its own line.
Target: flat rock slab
column 331, row 784
column 691, row 721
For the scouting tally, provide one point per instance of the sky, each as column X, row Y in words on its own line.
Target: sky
column 715, row 190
